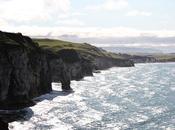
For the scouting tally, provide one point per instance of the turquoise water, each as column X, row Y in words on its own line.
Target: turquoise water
column 140, row 97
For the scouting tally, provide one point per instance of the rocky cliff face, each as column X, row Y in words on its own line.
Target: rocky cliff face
column 27, row 71
column 69, row 65
column 105, row 62
column 140, row 59
column 24, row 71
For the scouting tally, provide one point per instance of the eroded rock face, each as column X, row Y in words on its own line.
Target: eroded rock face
column 27, row 71
column 69, row 66
column 24, row 71
column 104, row 63
column 140, row 59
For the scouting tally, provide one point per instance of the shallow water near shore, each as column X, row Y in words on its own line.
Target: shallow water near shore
column 140, row 97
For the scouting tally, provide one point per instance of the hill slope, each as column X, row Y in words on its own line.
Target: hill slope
column 87, row 51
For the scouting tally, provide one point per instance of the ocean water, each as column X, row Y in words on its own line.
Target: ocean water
column 139, row 98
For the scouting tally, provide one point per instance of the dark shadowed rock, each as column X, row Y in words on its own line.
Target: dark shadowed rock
column 24, row 71
column 69, row 55
column 3, row 125
column 27, row 71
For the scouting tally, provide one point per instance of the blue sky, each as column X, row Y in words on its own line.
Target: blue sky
column 150, row 14
column 89, row 18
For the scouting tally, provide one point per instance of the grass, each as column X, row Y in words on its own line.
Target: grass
column 89, row 51
column 84, row 49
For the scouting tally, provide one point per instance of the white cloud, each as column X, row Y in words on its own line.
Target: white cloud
column 58, row 12
column 70, row 14
column 32, row 10
column 135, row 45
column 38, row 12
column 87, row 31
column 3, row 23
column 74, row 22
column 138, row 13
column 109, row 5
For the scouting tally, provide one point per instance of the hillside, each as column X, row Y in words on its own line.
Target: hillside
column 82, row 48
column 97, row 56
column 90, row 51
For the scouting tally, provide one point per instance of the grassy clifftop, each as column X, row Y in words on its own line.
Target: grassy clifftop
column 89, row 51
column 83, row 48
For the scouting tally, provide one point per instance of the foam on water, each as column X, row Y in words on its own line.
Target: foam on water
column 140, row 97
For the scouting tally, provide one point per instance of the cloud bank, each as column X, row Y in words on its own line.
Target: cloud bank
column 57, row 17
column 138, row 13
column 109, row 5
column 31, row 10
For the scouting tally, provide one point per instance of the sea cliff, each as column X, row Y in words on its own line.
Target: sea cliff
column 24, row 71
column 27, row 68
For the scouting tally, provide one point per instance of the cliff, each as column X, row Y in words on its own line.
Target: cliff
column 150, row 58
column 164, row 57
column 99, row 58
column 24, row 71
column 27, row 68
column 140, row 58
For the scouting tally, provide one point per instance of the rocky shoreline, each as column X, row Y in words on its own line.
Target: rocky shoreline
column 27, row 70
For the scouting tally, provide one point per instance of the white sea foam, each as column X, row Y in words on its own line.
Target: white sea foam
column 140, row 97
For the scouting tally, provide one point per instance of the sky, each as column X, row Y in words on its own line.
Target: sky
column 89, row 18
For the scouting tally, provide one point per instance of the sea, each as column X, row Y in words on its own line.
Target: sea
column 120, row 98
